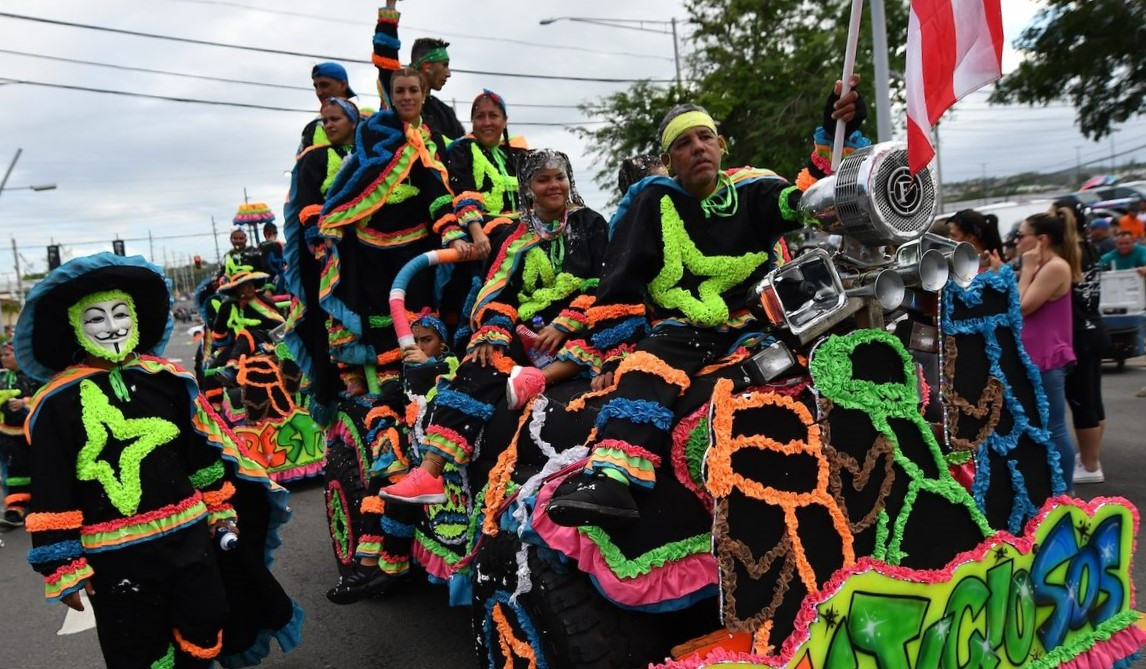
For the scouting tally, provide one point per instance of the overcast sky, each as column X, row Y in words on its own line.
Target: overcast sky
column 129, row 166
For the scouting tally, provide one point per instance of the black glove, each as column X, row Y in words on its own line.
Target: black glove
column 852, row 125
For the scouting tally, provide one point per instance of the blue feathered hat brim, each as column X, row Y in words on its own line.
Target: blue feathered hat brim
column 45, row 341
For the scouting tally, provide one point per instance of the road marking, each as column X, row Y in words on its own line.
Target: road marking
column 175, row 359
column 79, row 621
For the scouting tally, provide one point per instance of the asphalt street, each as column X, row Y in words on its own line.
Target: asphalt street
column 414, row 627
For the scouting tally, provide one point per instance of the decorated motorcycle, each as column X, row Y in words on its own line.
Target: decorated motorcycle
column 868, row 485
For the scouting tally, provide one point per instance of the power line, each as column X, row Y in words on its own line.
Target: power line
column 127, row 68
column 246, row 105
column 435, row 31
column 312, row 56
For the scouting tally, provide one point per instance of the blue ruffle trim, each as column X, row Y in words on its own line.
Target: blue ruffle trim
column 523, row 621
column 635, row 411
column 387, row 42
column 1003, row 281
column 856, row 140
column 464, row 403
column 622, row 332
column 289, row 637
column 61, row 551
column 393, row 528
column 499, row 321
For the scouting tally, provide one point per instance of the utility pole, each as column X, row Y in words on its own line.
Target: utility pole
column 1077, row 166
column 986, row 191
column 215, row 236
column 676, row 54
column 150, row 247
column 16, row 259
column 881, row 87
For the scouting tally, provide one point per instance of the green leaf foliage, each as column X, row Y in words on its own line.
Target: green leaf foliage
column 762, row 68
column 1088, row 52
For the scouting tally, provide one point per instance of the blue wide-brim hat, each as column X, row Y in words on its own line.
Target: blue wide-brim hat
column 46, row 344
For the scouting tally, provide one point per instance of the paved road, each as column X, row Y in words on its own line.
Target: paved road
column 414, row 627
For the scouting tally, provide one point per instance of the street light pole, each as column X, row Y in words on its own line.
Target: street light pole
column 4, row 181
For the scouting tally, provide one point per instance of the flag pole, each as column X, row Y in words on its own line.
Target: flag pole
column 845, row 88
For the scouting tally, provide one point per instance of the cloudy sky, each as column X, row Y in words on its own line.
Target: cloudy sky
column 130, row 166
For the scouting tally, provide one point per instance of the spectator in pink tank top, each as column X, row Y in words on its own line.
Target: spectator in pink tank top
column 1051, row 264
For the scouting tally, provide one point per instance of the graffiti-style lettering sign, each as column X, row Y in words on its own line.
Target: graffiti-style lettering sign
column 1060, row 591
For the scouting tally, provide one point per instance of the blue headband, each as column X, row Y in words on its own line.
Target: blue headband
column 332, row 71
column 435, row 324
column 497, row 100
column 347, row 106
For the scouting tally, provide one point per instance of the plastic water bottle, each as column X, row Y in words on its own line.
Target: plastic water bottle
column 540, row 359
column 227, row 539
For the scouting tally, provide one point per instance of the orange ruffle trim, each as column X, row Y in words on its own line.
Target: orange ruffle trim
column 640, row 361
column 722, row 478
column 500, row 475
column 610, row 311
column 198, row 651
column 43, row 522
column 372, row 504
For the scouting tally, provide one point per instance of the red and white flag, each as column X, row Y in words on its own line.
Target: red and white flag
column 953, row 48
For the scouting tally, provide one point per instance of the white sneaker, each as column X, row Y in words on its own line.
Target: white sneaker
column 1082, row 475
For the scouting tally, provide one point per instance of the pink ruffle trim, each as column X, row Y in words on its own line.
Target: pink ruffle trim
column 718, row 655
column 672, row 581
column 1105, row 654
column 434, row 565
column 296, row 473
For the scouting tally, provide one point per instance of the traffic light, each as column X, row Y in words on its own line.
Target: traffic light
column 198, row 262
column 117, row 247
column 53, row 256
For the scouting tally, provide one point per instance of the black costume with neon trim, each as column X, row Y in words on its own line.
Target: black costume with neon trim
column 683, row 266
column 524, row 284
column 13, row 444
column 130, row 465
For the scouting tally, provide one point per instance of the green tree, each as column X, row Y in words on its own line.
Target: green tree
column 631, row 117
column 763, row 68
column 1089, row 52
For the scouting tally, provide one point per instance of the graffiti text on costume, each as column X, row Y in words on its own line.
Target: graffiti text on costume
column 1032, row 601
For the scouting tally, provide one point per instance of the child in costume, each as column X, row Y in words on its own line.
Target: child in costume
column 133, row 476
column 16, row 389
column 539, row 284
column 423, row 366
column 682, row 255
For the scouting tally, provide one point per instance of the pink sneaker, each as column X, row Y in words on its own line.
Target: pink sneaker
column 419, row 487
column 523, row 384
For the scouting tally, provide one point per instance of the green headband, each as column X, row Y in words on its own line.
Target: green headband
column 687, row 120
column 437, row 55
column 76, row 318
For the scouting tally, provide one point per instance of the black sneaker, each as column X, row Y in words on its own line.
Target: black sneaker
column 592, row 500
column 362, row 583
column 12, row 518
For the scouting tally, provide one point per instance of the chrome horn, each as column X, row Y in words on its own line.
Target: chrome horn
column 885, row 286
column 930, row 273
column 962, row 258
column 873, row 198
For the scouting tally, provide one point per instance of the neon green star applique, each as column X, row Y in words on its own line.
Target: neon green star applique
column 101, row 419
column 723, row 272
